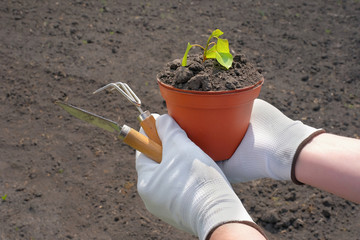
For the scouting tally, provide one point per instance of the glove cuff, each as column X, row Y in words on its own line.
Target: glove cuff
column 297, row 153
column 251, row 224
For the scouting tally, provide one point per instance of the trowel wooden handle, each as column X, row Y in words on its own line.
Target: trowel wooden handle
column 149, row 126
column 141, row 143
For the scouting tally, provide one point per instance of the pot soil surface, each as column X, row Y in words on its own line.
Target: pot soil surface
column 61, row 178
column 209, row 75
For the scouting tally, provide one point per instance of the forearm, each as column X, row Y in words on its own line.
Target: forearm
column 236, row 231
column 331, row 163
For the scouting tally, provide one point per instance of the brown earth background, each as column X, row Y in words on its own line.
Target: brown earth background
column 60, row 178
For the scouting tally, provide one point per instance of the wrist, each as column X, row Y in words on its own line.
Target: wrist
column 297, row 153
column 237, row 230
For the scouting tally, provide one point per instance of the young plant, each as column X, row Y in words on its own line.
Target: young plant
column 4, row 197
column 219, row 50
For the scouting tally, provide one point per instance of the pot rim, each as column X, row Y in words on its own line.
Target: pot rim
column 223, row 92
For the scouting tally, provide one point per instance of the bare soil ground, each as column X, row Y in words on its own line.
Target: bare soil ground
column 64, row 179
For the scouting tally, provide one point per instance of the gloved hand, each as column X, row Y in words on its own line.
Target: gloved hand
column 270, row 147
column 187, row 189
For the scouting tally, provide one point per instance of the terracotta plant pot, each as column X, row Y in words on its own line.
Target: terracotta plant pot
column 216, row 121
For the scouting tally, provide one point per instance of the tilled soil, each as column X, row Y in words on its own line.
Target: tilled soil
column 61, row 178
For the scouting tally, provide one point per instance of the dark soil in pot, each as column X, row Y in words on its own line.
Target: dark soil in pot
column 210, row 75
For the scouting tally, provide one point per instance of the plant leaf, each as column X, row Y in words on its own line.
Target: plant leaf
column 225, row 59
column 184, row 60
column 216, row 33
column 4, row 197
column 211, row 53
column 222, row 45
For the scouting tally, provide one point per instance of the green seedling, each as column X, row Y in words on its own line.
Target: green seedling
column 219, row 50
column 4, row 197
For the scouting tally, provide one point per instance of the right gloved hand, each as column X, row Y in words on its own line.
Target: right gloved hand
column 270, row 147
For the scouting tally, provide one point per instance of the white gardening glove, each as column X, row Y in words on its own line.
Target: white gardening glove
column 270, row 147
column 187, row 189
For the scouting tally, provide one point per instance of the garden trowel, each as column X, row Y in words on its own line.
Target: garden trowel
column 129, row 135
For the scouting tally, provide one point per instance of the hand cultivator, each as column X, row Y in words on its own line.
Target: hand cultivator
column 147, row 121
column 149, row 146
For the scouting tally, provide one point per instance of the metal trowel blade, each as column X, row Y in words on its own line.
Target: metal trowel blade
column 89, row 117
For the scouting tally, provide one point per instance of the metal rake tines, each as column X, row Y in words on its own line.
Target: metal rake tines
column 126, row 91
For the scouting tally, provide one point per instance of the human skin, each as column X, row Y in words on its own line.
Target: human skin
column 331, row 163
column 238, row 231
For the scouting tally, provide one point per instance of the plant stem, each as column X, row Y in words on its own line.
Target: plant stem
column 207, row 46
column 197, row 45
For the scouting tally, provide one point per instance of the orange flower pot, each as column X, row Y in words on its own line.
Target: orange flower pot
column 215, row 121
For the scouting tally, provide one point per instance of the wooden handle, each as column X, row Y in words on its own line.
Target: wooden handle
column 149, row 126
column 143, row 144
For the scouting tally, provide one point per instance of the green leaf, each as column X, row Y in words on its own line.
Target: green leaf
column 216, row 33
column 211, row 53
column 222, row 46
column 4, row 197
column 221, row 52
column 184, row 60
column 225, row 59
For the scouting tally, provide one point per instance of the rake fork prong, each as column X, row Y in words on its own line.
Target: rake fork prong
column 126, row 91
column 104, row 87
column 131, row 94
column 147, row 121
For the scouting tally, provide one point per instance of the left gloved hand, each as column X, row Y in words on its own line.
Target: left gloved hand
column 187, row 189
